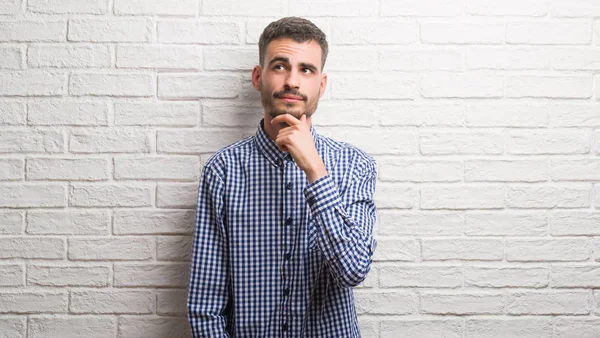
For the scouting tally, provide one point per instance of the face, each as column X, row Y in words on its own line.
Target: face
column 290, row 80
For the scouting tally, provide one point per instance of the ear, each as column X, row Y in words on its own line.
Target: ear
column 256, row 74
column 323, row 85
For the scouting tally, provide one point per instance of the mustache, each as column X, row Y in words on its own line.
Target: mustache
column 289, row 92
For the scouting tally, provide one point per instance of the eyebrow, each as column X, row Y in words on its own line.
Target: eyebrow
column 287, row 60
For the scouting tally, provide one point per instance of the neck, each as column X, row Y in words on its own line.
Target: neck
column 273, row 130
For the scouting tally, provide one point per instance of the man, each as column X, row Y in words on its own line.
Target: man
column 285, row 218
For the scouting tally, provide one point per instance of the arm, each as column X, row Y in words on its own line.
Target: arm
column 208, row 293
column 345, row 223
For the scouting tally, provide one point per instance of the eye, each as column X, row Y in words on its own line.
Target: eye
column 278, row 67
column 307, row 70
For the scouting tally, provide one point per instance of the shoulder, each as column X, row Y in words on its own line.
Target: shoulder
column 349, row 155
column 220, row 160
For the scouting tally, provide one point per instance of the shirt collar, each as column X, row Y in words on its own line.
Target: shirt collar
column 269, row 149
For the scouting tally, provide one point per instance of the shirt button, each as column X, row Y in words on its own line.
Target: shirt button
column 285, row 326
column 287, row 256
column 288, row 186
column 286, row 292
column 288, row 221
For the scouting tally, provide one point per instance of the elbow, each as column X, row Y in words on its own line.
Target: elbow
column 354, row 274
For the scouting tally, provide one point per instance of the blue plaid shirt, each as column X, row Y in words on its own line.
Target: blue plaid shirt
column 275, row 256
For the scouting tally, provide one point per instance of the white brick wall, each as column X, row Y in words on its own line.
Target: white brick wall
column 483, row 116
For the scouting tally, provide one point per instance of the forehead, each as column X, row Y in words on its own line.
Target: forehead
column 308, row 51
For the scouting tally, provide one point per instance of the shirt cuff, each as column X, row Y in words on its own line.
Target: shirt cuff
column 322, row 194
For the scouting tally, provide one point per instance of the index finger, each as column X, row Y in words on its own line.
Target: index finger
column 286, row 118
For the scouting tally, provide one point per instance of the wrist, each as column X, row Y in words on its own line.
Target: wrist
column 315, row 173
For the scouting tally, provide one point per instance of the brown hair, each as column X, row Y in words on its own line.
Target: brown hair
column 297, row 29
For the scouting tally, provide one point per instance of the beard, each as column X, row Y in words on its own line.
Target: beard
column 274, row 108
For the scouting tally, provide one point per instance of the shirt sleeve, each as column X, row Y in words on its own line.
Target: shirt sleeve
column 345, row 222
column 208, row 294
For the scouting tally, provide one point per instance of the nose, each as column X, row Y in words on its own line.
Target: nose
column 291, row 80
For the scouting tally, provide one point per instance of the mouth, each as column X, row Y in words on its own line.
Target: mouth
column 291, row 98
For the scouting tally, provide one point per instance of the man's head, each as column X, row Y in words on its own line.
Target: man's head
column 290, row 76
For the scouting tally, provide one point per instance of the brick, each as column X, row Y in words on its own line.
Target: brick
column 597, row 195
column 32, row 83
column 428, row 8
column 181, row 168
column 462, row 197
column 147, row 327
column 33, row 30
column 545, row 196
column 597, row 86
column 243, row 8
column 574, row 223
column 506, row 171
column 506, row 277
column 374, row 141
column 369, row 327
column 423, row 59
column 109, row 248
column 506, row 115
column 11, row 275
column 131, row 85
column 535, row 8
column 189, row 86
column 362, row 8
column 548, row 142
column 371, row 280
column 346, row 32
column 430, row 328
column 461, row 303
column 159, row 57
column 65, row 56
column 110, row 140
column 157, row 114
column 12, row 113
column 462, row 33
column 171, row 302
column 419, row 224
column 152, row 275
column 423, row 276
column 68, row 222
column 584, row 327
column 396, row 249
column 385, row 302
column 71, row 327
column 144, row 222
column 11, row 169
column 347, row 113
column 509, row 327
column 232, row 114
column 174, row 248
column 68, row 275
column 394, row 196
column 422, row 114
column 548, row 303
column 505, row 58
column 25, row 302
column 11, row 57
column 198, row 141
column 110, row 195
column 43, row 195
column 596, row 144
column 574, row 115
column 112, row 302
column 500, row 223
column 576, row 170
column 230, row 58
column 11, row 222
column 552, row 32
column 372, row 87
column 156, row 7
column 110, row 30
column 542, row 250
column 351, row 59
column 176, row 195
column 461, row 85
column 575, row 276
column 67, row 169
column 32, row 248
column 405, row 170
column 569, row 87
column 49, row 113
column 577, row 59
column 563, row 8
column 10, row 7
column 462, row 249
column 596, row 301
column 198, row 32
column 68, row 6
column 13, row 327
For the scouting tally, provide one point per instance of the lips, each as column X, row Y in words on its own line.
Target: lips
column 291, row 98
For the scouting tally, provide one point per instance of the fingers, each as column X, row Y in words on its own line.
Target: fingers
column 285, row 118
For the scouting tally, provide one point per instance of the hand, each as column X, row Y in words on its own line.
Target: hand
column 298, row 141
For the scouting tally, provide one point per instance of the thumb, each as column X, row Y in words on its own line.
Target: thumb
column 303, row 118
